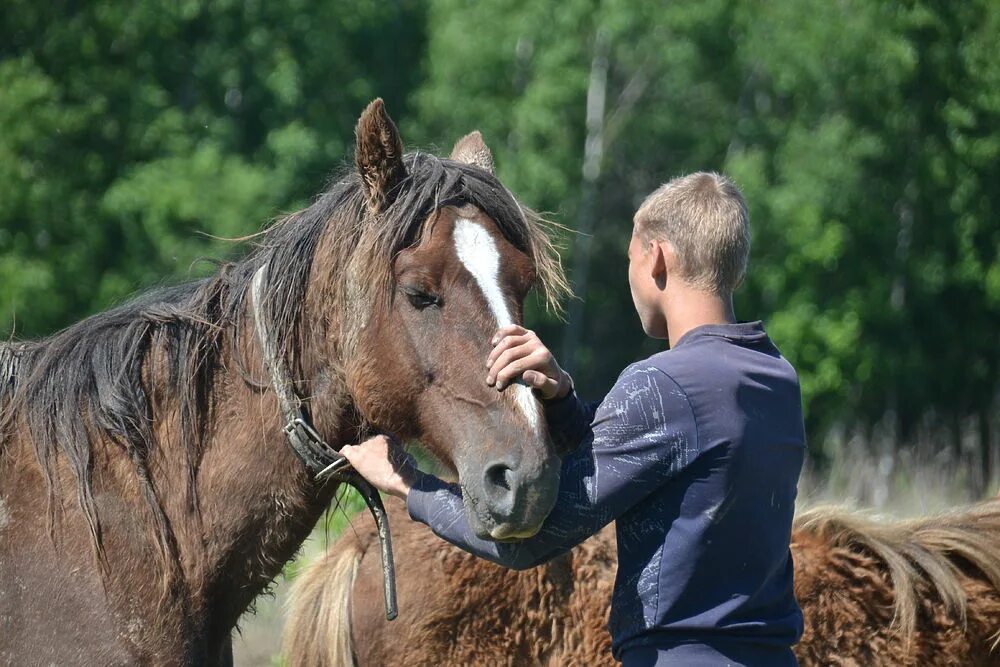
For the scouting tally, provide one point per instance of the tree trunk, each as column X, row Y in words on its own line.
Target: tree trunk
column 985, row 453
column 593, row 152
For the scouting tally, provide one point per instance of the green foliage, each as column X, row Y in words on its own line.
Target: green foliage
column 132, row 130
column 864, row 135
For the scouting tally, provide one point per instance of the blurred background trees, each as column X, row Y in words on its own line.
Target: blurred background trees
column 866, row 136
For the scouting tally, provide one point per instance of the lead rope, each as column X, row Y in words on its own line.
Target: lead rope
column 323, row 461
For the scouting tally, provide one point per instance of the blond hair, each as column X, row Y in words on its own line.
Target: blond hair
column 705, row 217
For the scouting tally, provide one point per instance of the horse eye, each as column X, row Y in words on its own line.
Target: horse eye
column 420, row 299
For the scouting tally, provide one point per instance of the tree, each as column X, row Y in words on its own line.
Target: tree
column 130, row 129
column 864, row 135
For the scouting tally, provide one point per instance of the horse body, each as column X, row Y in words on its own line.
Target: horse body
column 914, row 593
column 458, row 609
column 59, row 609
column 179, row 571
column 147, row 492
column 917, row 592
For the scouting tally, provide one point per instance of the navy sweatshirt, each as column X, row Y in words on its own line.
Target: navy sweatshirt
column 696, row 453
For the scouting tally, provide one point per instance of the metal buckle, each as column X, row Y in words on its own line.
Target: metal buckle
column 333, row 468
column 299, row 424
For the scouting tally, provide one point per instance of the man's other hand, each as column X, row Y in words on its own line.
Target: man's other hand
column 518, row 352
column 383, row 462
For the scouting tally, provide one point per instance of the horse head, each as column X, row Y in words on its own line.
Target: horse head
column 459, row 271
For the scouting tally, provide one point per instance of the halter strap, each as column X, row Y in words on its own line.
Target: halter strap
column 322, row 460
column 319, row 458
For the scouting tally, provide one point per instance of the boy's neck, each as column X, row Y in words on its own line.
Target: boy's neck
column 688, row 308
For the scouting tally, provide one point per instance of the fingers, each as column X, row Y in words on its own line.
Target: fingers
column 542, row 383
column 391, row 441
column 375, row 443
column 504, row 365
column 384, row 462
column 350, row 452
column 519, row 352
column 380, row 441
column 537, row 380
column 514, row 368
column 511, row 342
column 508, row 330
column 505, row 344
column 374, row 449
column 508, row 357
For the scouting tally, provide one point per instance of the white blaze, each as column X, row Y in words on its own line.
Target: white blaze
column 478, row 252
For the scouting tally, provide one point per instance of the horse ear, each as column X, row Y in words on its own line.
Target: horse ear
column 379, row 155
column 471, row 149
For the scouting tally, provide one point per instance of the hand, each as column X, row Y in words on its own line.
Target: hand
column 518, row 352
column 384, row 463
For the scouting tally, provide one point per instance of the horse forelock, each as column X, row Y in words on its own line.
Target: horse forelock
column 354, row 248
column 916, row 553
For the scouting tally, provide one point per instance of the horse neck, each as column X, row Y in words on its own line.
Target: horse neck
column 256, row 502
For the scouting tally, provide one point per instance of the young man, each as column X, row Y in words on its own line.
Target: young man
column 695, row 452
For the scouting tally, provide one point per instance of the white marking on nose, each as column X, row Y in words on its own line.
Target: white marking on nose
column 478, row 252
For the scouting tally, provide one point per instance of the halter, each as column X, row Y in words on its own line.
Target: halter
column 322, row 460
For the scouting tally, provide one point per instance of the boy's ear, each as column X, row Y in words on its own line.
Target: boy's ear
column 663, row 261
column 379, row 156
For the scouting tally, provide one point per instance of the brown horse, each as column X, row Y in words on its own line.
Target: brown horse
column 918, row 592
column 147, row 491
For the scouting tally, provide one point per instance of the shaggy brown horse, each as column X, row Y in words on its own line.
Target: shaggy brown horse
column 147, row 490
column 918, row 592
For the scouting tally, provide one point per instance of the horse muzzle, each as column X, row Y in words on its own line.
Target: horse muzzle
column 510, row 501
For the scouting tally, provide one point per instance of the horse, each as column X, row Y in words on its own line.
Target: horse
column 148, row 489
column 918, row 592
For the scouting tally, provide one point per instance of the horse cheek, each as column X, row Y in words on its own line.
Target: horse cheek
column 385, row 382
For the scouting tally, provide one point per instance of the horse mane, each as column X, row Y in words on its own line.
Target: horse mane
column 10, row 362
column 10, row 357
column 938, row 550
column 102, row 378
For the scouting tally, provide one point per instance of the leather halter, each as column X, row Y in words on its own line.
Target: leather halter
column 318, row 457
column 322, row 460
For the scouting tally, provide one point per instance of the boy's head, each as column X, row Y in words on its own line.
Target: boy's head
column 695, row 230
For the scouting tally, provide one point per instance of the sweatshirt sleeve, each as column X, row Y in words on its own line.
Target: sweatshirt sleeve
column 569, row 421
column 641, row 436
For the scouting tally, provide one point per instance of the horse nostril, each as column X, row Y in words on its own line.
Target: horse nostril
column 500, row 476
column 504, row 490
